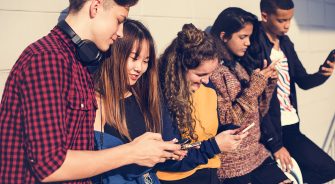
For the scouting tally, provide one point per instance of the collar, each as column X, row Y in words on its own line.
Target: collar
column 63, row 38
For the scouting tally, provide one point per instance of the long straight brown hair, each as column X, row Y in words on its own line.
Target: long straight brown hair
column 111, row 81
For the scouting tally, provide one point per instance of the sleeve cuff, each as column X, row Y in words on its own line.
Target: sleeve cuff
column 45, row 166
column 214, row 146
column 273, row 146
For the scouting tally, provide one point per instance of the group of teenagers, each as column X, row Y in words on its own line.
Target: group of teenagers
column 91, row 102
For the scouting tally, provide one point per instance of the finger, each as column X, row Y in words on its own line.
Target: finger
column 243, row 135
column 181, row 158
column 326, row 69
column 287, row 164
column 174, row 140
column 290, row 163
column 235, row 137
column 265, row 63
column 282, row 163
column 267, row 73
column 166, row 154
column 274, row 63
column 175, row 157
column 327, row 74
column 331, row 64
column 168, row 146
column 179, row 153
column 274, row 75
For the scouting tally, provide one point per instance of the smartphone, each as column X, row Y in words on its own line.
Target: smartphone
column 229, row 126
column 185, row 141
column 244, row 129
column 186, row 146
column 330, row 58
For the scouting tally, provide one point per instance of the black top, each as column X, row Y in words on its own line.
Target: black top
column 134, row 119
column 271, row 123
column 136, row 127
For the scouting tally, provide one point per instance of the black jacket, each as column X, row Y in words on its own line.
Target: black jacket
column 271, row 122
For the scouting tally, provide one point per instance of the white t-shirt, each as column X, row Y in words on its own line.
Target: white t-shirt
column 288, row 113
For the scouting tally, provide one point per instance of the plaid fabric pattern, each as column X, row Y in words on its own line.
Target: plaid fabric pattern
column 47, row 108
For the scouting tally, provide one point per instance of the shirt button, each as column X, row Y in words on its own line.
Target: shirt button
column 32, row 161
column 82, row 105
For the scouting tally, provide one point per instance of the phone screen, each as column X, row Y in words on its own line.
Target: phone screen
column 244, row 129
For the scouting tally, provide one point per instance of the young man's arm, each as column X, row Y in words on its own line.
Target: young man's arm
column 146, row 150
column 302, row 78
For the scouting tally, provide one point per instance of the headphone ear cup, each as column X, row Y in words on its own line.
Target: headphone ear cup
column 88, row 52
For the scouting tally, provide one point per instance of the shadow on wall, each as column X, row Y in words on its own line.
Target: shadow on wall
column 316, row 15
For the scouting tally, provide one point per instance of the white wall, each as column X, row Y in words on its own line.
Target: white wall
column 312, row 31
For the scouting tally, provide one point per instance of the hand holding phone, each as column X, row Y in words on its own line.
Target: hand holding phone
column 330, row 58
column 244, row 129
column 185, row 145
column 190, row 145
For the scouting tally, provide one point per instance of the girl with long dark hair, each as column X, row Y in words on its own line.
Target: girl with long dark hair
column 128, row 93
column 243, row 92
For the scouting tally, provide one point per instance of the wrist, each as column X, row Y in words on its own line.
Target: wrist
column 127, row 151
column 215, row 145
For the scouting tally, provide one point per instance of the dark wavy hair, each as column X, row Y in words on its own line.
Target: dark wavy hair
column 111, row 80
column 191, row 47
column 230, row 21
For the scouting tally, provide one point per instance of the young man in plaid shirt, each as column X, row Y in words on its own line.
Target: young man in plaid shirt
column 48, row 106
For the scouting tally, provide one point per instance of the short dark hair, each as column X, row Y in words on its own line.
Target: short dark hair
column 270, row 6
column 76, row 5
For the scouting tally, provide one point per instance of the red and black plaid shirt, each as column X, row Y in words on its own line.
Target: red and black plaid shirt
column 47, row 108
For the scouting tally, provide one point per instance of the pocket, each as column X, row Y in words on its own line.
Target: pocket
column 83, row 103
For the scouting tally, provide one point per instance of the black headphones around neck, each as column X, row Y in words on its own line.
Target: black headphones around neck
column 87, row 52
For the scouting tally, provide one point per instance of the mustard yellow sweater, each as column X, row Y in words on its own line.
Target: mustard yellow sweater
column 205, row 112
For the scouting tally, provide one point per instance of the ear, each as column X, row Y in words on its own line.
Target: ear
column 264, row 16
column 95, row 6
column 222, row 34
